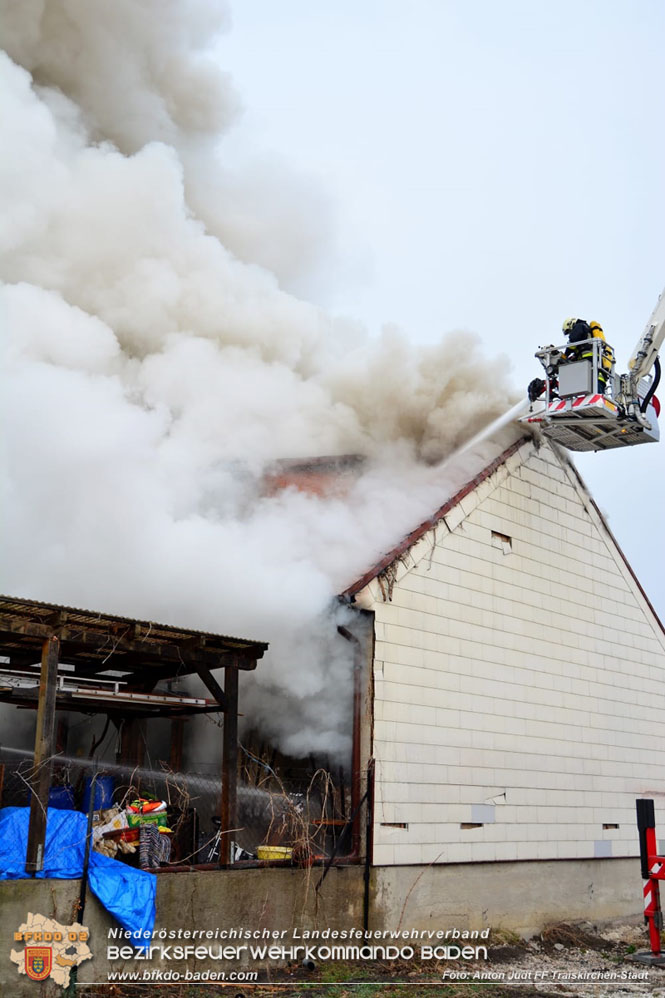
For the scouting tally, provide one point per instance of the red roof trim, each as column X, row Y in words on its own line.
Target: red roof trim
column 429, row 524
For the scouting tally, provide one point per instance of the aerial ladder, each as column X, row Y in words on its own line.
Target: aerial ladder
column 585, row 405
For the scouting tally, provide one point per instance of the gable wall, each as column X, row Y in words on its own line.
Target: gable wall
column 522, row 691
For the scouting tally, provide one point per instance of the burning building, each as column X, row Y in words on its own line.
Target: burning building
column 499, row 664
column 515, row 684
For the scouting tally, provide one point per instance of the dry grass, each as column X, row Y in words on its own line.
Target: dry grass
column 340, row 989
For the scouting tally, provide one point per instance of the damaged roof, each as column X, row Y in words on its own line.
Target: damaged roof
column 414, row 536
column 431, row 522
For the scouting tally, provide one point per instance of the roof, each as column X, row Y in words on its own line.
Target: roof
column 322, row 476
column 410, row 539
column 99, row 643
column 427, row 525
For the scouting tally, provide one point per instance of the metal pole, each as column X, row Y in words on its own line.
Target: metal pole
column 229, row 765
column 86, row 854
column 369, row 830
column 71, row 990
column 44, row 746
column 356, row 753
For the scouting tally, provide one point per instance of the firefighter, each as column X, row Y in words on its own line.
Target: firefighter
column 578, row 330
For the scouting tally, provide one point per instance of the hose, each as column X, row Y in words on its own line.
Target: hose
column 654, row 385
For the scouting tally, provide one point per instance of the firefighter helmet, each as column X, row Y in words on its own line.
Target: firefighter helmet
column 568, row 325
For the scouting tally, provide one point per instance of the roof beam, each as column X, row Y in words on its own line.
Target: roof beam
column 212, row 685
column 73, row 638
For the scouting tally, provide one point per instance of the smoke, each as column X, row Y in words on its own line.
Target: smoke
column 138, row 72
column 152, row 373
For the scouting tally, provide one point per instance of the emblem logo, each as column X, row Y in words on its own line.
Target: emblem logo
column 48, row 949
column 38, row 961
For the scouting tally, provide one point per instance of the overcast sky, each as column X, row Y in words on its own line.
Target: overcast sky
column 480, row 165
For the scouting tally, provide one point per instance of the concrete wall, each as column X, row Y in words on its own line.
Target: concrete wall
column 523, row 897
column 275, row 899
column 57, row 899
column 518, row 680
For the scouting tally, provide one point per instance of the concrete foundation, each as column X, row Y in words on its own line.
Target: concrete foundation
column 522, row 897
column 278, row 900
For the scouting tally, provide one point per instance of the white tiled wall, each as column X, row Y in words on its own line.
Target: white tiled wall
column 531, row 681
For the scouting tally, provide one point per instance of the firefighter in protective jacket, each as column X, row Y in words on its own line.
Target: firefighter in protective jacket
column 578, row 330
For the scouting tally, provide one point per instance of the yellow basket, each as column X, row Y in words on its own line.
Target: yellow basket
column 274, row 852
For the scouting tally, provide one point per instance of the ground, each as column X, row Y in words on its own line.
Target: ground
column 565, row 960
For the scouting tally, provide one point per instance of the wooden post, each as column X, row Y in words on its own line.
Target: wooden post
column 44, row 746
column 229, row 765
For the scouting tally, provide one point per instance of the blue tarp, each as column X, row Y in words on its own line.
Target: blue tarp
column 128, row 893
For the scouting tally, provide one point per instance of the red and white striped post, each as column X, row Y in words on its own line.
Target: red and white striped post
column 653, row 870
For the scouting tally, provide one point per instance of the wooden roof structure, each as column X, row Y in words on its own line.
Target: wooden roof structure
column 136, row 653
column 99, row 663
column 99, row 643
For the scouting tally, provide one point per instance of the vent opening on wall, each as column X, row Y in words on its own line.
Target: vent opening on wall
column 394, row 824
column 471, row 824
column 610, row 826
column 502, row 541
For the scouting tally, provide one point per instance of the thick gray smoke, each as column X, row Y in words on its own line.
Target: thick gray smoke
column 152, row 373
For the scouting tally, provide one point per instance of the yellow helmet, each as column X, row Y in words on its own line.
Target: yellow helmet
column 568, row 325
